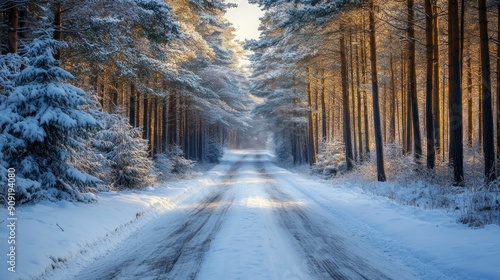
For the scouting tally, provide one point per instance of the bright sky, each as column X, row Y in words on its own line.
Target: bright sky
column 245, row 19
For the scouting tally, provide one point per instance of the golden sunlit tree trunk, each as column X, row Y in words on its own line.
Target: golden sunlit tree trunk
column 376, row 108
column 345, row 106
column 412, row 83
column 429, row 118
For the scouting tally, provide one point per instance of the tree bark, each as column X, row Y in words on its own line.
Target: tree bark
column 310, row 145
column 436, row 108
column 345, row 106
column 412, row 83
column 455, row 94
column 358, row 95
column 429, row 119
column 13, row 14
column 365, row 96
column 145, row 118
column 164, row 124
column 323, row 106
column 392, row 113
column 488, row 146
column 351, row 61
column 376, row 108
column 58, row 28
column 498, row 88
column 470, row 113
column 132, row 105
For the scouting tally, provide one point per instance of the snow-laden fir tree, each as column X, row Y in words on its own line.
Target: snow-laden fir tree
column 126, row 153
column 39, row 124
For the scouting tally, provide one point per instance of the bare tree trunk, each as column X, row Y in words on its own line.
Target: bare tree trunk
column 412, row 83
column 13, row 15
column 376, row 108
column 132, row 106
column 480, row 110
column 436, row 109
column 351, row 61
column 358, row 95
column 310, row 145
column 498, row 88
column 431, row 157
column 145, row 117
column 154, row 126
column 455, row 94
column 404, row 106
column 316, row 115
column 345, row 106
column 365, row 97
column 392, row 113
column 488, row 146
column 58, row 28
column 164, row 124
column 470, row 113
column 323, row 106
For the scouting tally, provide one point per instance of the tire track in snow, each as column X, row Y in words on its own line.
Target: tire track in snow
column 326, row 254
column 178, row 251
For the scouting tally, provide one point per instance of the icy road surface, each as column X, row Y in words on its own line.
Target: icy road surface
column 253, row 223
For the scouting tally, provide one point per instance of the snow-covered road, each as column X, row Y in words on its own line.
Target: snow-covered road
column 249, row 219
column 252, row 224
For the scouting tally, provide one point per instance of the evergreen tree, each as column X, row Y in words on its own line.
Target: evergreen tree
column 128, row 164
column 39, row 123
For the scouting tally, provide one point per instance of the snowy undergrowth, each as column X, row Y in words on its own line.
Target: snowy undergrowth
column 410, row 183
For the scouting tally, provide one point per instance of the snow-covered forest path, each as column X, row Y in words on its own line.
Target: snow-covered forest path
column 255, row 223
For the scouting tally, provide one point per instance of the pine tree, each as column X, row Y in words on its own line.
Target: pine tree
column 129, row 166
column 40, row 121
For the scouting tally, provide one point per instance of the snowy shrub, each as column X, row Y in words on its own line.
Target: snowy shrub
column 331, row 159
column 178, row 163
column 481, row 205
column 215, row 151
column 411, row 183
column 39, row 121
column 126, row 152
column 163, row 166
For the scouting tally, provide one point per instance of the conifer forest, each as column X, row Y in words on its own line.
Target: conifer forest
column 395, row 100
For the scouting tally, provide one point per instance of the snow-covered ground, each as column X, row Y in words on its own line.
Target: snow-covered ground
column 247, row 219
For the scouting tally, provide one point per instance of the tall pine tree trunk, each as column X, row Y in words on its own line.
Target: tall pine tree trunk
column 429, row 119
column 488, row 146
column 358, row 95
column 436, row 108
column 58, row 28
column 345, row 106
column 145, row 118
column 392, row 112
column 470, row 113
column 376, row 108
column 13, row 14
column 498, row 88
column 412, row 83
column 132, row 106
column 164, row 124
column 455, row 94
column 323, row 106
column 351, row 61
column 365, row 96
column 310, row 144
